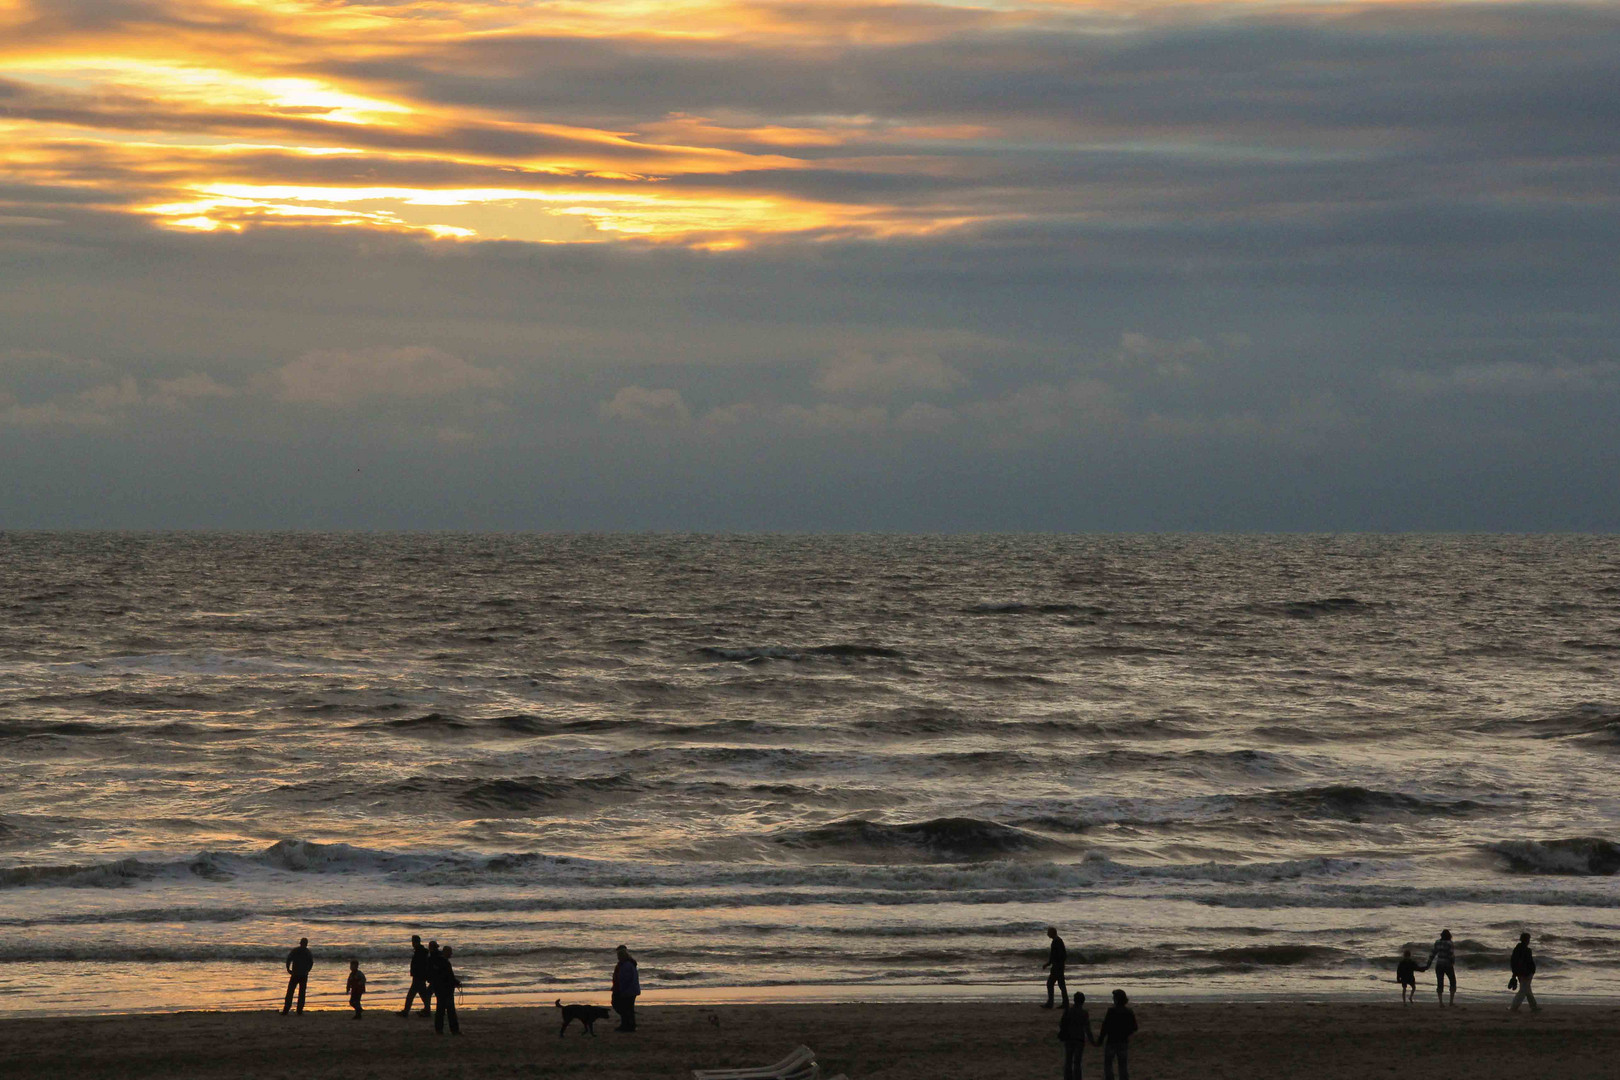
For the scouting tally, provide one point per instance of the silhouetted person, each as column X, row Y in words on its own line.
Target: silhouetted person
column 443, row 978
column 1118, row 1025
column 1524, row 969
column 1056, row 958
column 419, row 981
column 299, row 961
column 1405, row 974
column 1443, row 958
column 356, row 986
column 1075, row 1031
column 626, row 987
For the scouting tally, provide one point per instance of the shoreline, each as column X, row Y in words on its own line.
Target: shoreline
column 916, row 1041
column 838, row 994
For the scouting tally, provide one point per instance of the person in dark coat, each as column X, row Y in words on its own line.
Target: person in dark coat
column 299, row 961
column 1056, row 959
column 626, row 988
column 419, row 980
column 1524, row 969
column 1075, row 1031
column 443, row 978
column 1118, row 1025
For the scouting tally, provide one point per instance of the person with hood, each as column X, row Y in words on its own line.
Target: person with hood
column 1443, row 958
column 1118, row 1025
column 299, row 961
column 443, row 977
column 419, row 980
column 1523, row 965
column 626, row 988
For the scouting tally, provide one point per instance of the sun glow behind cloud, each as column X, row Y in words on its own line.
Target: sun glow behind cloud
column 707, row 122
column 201, row 114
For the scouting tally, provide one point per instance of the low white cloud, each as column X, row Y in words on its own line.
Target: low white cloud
column 104, row 403
column 1508, row 378
column 343, row 377
column 648, row 408
column 863, row 373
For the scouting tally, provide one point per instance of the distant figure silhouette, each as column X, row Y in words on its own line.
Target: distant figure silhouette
column 1524, row 969
column 1118, row 1025
column 419, row 980
column 1443, row 958
column 443, row 978
column 299, row 961
column 356, row 986
column 626, row 987
column 1075, row 1031
column 1056, row 959
column 1406, row 977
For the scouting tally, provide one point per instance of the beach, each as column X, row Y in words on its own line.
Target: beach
column 1326, row 1040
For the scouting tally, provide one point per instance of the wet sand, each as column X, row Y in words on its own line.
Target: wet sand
column 1353, row 1041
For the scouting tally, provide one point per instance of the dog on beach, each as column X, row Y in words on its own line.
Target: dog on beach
column 587, row 1015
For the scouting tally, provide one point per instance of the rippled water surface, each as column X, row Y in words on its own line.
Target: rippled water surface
column 1221, row 765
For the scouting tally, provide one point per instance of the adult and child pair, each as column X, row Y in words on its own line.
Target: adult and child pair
column 1443, row 958
column 433, row 977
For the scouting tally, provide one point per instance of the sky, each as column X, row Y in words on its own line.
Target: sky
column 809, row 265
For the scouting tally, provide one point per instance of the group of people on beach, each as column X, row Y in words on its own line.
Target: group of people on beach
column 1119, row 1023
column 434, row 980
column 1443, row 958
column 1074, row 1030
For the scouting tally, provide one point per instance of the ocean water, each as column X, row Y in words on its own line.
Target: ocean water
column 802, row 766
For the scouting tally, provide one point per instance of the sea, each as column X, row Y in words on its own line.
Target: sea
column 803, row 767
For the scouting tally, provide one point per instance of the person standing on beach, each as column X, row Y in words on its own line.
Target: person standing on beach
column 1443, row 958
column 1075, row 1031
column 1524, row 969
column 356, row 986
column 1056, row 959
column 626, row 988
column 1118, row 1025
column 299, row 961
column 1405, row 975
column 419, row 982
column 443, row 977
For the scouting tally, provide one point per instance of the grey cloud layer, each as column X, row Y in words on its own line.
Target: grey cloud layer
column 1332, row 270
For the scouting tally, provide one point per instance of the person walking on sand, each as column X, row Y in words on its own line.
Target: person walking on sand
column 299, row 961
column 1443, row 958
column 443, row 977
column 1056, row 958
column 419, row 981
column 356, row 986
column 1524, row 969
column 1075, row 1031
column 1118, row 1025
column 626, row 988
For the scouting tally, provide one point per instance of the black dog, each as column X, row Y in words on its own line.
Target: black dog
column 587, row 1015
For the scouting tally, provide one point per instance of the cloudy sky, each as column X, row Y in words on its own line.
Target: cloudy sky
column 814, row 264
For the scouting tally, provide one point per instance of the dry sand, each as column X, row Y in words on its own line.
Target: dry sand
column 1352, row 1041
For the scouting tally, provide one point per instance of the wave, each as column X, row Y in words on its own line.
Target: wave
column 762, row 653
column 1310, row 609
column 1347, row 802
column 947, row 839
column 1019, row 607
column 1590, row 722
column 440, row 725
column 534, row 794
column 1583, row 856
